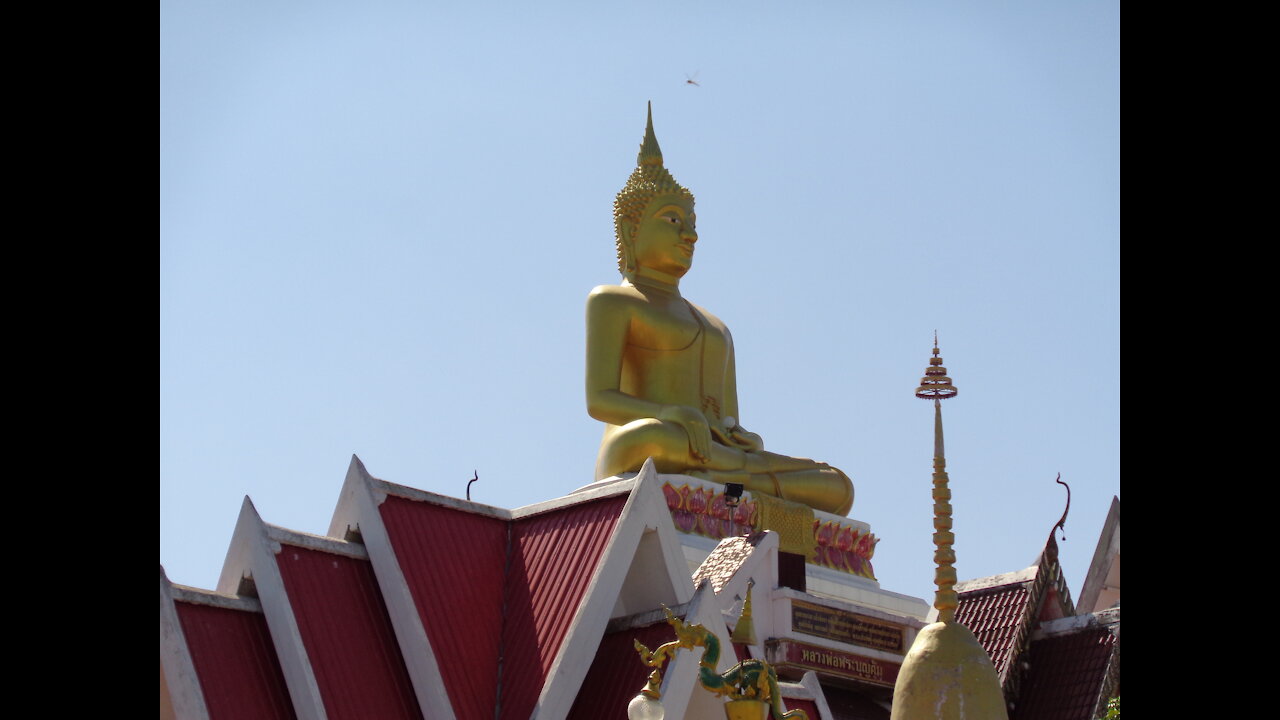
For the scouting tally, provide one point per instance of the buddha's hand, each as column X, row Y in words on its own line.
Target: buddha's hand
column 736, row 436
column 746, row 440
column 695, row 425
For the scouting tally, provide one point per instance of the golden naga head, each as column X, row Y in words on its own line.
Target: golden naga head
column 687, row 635
column 649, row 180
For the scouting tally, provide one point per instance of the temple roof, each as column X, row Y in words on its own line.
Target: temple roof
column 524, row 577
column 1071, row 672
column 999, row 615
column 615, row 675
column 231, row 651
column 435, row 607
column 419, row 605
column 1053, row 664
column 348, row 638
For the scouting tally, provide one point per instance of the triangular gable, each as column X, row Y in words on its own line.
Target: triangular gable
column 1101, row 587
column 554, row 557
column 440, row 564
column 1002, row 611
column 564, row 577
column 251, row 558
column 327, row 620
column 217, row 661
column 644, row 515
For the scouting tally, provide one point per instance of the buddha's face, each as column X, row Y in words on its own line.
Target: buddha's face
column 665, row 237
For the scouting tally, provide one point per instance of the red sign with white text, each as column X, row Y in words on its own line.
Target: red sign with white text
column 789, row 653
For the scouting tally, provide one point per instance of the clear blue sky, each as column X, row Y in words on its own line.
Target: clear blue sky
column 379, row 223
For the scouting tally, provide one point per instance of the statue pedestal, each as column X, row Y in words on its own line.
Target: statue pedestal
column 838, row 551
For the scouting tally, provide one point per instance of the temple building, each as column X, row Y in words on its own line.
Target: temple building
column 698, row 577
column 420, row 605
column 417, row 605
column 1055, row 658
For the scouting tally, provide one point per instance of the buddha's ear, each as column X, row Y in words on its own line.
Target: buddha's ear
column 625, row 229
column 628, row 260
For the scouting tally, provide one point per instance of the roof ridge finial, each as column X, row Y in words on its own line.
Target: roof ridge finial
column 1062, row 524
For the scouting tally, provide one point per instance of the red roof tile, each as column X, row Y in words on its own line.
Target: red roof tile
column 453, row 562
column 236, row 663
column 347, row 635
column 553, row 558
column 995, row 615
column 617, row 674
column 1066, row 676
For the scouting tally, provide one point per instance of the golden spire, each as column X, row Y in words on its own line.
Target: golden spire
column 936, row 386
column 947, row 675
column 744, row 632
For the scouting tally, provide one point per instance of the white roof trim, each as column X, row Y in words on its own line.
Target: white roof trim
column 645, row 509
column 680, row 677
column 1104, row 556
column 285, row 536
column 1009, row 578
column 358, row 507
column 175, row 660
column 200, row 596
column 809, row 681
column 253, row 554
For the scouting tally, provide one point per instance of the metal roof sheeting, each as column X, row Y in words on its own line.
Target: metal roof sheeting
column 553, row 558
column 236, row 663
column 453, row 562
column 617, row 674
column 347, row 635
column 496, row 596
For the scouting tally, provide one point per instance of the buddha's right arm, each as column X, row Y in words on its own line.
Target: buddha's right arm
column 608, row 318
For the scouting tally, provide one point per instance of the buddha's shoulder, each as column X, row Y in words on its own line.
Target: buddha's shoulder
column 607, row 296
column 711, row 318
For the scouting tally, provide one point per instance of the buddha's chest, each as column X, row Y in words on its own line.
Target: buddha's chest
column 670, row 326
column 670, row 345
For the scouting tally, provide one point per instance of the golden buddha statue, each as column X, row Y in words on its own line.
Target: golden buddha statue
column 660, row 370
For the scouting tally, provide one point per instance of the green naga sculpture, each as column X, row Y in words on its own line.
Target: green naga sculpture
column 749, row 685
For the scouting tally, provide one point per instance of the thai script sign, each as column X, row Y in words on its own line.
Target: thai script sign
column 801, row 656
column 846, row 627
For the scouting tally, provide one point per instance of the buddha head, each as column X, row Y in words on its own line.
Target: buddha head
column 650, row 181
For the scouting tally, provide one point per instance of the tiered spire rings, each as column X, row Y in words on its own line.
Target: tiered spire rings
column 936, row 386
